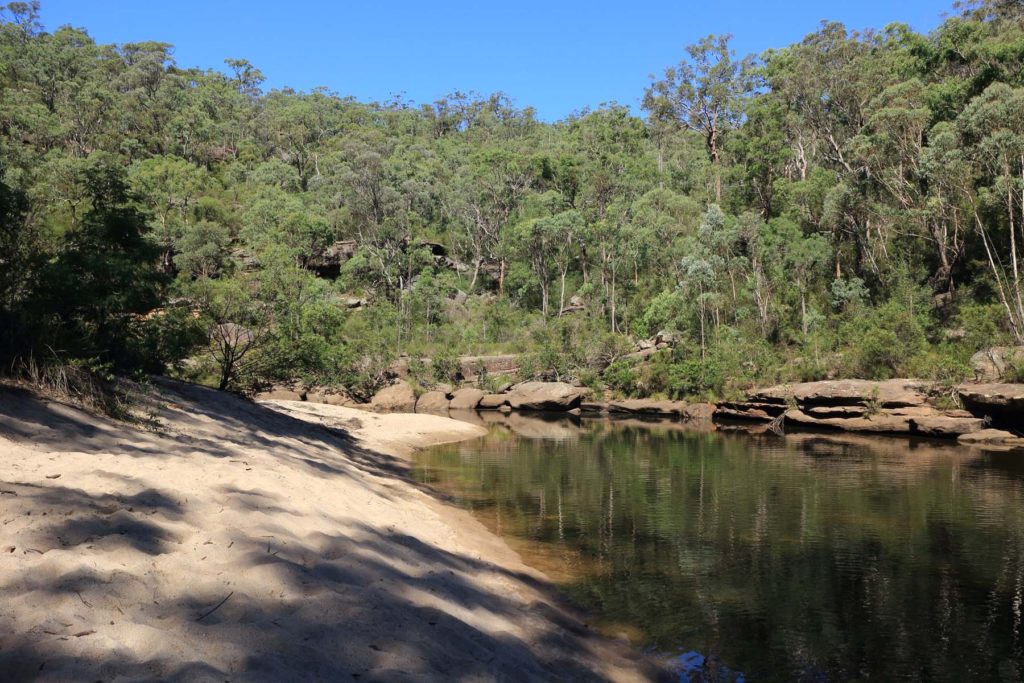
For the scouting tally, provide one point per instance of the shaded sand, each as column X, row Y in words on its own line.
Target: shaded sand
column 260, row 542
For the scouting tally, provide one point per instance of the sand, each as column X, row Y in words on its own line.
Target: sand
column 260, row 542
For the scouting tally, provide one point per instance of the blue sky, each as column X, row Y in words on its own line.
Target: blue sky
column 555, row 56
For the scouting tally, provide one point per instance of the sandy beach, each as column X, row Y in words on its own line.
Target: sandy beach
column 240, row 541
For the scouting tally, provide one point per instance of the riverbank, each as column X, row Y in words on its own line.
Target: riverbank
column 260, row 541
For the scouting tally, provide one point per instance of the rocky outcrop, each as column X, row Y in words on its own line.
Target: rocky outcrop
column 555, row 396
column 952, row 423
column 327, row 262
column 466, row 398
column 918, row 421
column 1002, row 403
column 397, row 398
column 649, row 407
column 434, row 402
column 897, row 406
column 992, row 437
column 993, row 365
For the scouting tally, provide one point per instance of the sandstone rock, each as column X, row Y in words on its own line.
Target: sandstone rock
column 397, row 398
column 492, row 401
column 646, row 406
column 749, row 410
column 466, row 398
column 435, row 402
column 594, row 407
column 669, row 337
column 992, row 437
column 836, row 411
column 698, row 412
column 780, row 395
column 892, row 393
column 327, row 262
column 943, row 425
column 557, row 396
column 992, row 365
column 1004, row 403
column 882, row 422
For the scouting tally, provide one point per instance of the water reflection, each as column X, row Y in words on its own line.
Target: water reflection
column 814, row 557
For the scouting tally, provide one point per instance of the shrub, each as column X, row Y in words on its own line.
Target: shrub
column 622, row 377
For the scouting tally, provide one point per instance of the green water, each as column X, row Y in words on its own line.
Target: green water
column 813, row 557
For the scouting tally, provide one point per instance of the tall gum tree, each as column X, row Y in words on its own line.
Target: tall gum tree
column 704, row 93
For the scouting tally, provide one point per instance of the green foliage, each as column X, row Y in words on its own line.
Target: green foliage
column 832, row 209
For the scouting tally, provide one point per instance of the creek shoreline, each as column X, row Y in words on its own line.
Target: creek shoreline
column 268, row 540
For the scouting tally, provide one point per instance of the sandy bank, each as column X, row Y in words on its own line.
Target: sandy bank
column 259, row 542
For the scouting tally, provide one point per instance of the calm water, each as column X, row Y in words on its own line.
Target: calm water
column 748, row 558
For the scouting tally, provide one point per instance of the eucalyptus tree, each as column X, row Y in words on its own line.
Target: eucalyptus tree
column 705, row 93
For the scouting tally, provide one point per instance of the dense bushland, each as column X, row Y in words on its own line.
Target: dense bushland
column 852, row 204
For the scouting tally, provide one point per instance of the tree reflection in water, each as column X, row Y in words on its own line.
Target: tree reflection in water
column 811, row 557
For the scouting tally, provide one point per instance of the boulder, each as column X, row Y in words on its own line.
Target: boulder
column 593, row 407
column 669, row 337
column 466, row 398
column 1003, row 403
column 557, row 396
column 492, row 401
column 992, row 365
column 397, row 398
column 435, row 402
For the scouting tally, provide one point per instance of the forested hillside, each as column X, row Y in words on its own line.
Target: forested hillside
column 849, row 205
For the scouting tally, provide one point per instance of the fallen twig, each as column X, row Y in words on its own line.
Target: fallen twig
column 216, row 607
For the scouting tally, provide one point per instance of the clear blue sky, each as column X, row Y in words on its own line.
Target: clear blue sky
column 555, row 56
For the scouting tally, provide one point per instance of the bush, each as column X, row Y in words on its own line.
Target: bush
column 687, row 378
column 446, row 367
column 622, row 377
